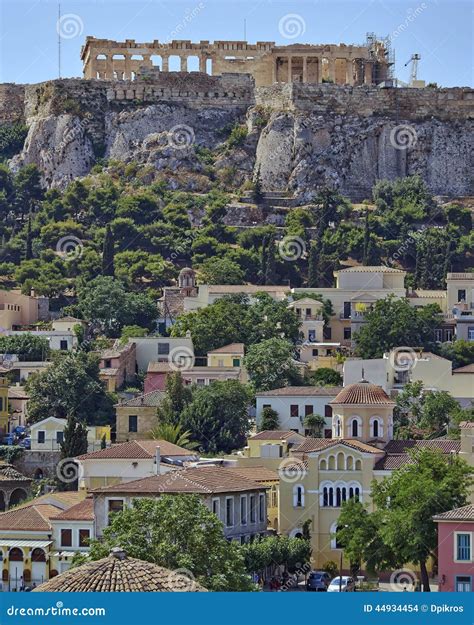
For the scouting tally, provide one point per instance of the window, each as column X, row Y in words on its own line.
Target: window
column 470, row 333
column 201, row 382
column 252, row 509
column 236, row 362
column 461, row 295
column 355, row 428
column 133, row 423
column 59, row 437
column 66, row 538
column 463, row 583
column 229, row 511
column 84, row 536
column 107, row 363
column 216, row 507
column 308, row 409
column 463, row 547
column 308, row 312
column 315, row 352
column 261, row 508
column 438, row 335
column 243, row 509
column 448, row 334
column 376, row 428
column 294, row 411
column 115, row 505
column 347, row 333
column 347, row 310
column 41, row 436
column 266, row 406
column 298, row 496
column 328, row 411
column 220, row 362
column 327, row 333
column 63, row 345
column 163, row 349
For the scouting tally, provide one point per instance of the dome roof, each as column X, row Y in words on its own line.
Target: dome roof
column 363, row 393
column 118, row 573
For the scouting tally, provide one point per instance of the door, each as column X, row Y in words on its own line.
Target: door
column 15, row 568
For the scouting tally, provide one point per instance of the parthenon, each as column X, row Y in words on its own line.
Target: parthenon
column 268, row 63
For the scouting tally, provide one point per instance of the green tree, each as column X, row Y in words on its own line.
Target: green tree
column 394, row 323
column 460, row 351
column 314, row 423
column 270, row 364
column 270, row 419
column 411, row 496
column 177, row 532
column 70, row 387
column 220, row 271
column 324, row 376
column 74, row 444
column 173, row 434
column 130, row 332
column 108, row 253
column 27, row 347
column 217, row 416
column 266, row 554
column 178, row 396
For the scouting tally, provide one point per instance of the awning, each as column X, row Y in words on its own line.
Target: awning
column 63, row 554
column 42, row 544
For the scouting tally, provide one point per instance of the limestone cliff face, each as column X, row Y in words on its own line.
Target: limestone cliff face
column 300, row 138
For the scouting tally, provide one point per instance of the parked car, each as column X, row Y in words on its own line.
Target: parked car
column 20, row 431
column 25, row 442
column 343, row 584
column 318, row 581
column 9, row 439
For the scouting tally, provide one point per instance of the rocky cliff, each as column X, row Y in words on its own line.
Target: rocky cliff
column 300, row 137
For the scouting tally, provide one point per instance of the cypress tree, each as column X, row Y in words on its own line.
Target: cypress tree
column 74, row 444
column 313, row 265
column 108, row 268
column 29, row 242
column 365, row 260
column 271, row 275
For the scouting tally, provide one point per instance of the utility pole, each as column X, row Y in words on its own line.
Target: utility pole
column 58, row 28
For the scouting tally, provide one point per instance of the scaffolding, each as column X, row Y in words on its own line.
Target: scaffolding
column 382, row 57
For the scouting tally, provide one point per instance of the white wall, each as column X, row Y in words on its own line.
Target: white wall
column 147, row 349
column 282, row 406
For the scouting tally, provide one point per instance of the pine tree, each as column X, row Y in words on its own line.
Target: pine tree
column 74, row 444
column 108, row 268
column 271, row 275
column 313, row 265
column 365, row 260
column 29, row 241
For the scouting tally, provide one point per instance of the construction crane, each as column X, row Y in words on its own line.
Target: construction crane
column 414, row 68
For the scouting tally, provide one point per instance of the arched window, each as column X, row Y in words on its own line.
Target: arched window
column 298, row 496
column 323, row 465
column 355, row 428
column 357, row 493
column 332, row 463
column 16, row 555
column 325, row 497
column 375, row 432
column 338, row 497
column 334, row 542
column 344, row 496
column 350, row 463
column 358, row 465
column 351, row 492
column 338, row 428
column 38, row 555
column 331, row 496
column 340, row 461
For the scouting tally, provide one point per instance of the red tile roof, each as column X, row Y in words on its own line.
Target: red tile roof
column 302, row 391
column 273, row 435
column 83, row 511
column 363, row 393
column 200, row 480
column 137, row 450
column 29, row 518
column 466, row 513
column 317, row 444
column 257, row 474
column 465, row 369
column 396, row 452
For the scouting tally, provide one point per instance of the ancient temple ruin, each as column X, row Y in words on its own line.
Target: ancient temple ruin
column 369, row 64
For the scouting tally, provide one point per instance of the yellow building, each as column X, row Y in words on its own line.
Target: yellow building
column 228, row 356
column 4, row 412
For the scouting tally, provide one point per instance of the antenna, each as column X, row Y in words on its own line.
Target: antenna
column 58, row 28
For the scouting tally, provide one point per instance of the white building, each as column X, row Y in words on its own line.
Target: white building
column 294, row 403
column 162, row 349
column 48, row 434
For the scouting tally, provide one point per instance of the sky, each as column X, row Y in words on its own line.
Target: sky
column 441, row 31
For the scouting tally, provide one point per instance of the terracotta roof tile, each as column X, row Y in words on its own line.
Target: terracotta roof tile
column 29, row 518
column 200, row 480
column 152, row 399
column 137, row 450
column 232, row 348
column 465, row 369
column 120, row 574
column 396, row 452
column 274, row 435
column 257, row 474
column 8, row 473
column 83, row 511
column 302, row 391
column 317, row 444
column 466, row 513
column 363, row 393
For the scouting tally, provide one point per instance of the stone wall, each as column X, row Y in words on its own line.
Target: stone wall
column 365, row 101
column 11, row 102
column 29, row 462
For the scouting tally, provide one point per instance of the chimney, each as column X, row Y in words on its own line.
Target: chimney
column 157, row 460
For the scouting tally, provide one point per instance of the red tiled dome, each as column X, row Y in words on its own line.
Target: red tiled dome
column 363, row 393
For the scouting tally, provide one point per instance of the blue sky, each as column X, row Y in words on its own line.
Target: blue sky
column 441, row 31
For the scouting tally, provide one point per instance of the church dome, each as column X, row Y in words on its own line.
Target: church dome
column 362, row 393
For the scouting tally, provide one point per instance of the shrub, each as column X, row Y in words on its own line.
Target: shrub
column 330, row 567
column 237, row 136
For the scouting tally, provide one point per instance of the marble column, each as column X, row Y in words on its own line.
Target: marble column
column 290, row 69
column 349, row 72
column 305, row 69
column 165, row 64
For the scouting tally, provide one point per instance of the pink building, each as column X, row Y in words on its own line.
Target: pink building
column 117, row 365
column 455, row 549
